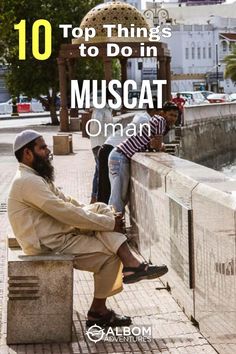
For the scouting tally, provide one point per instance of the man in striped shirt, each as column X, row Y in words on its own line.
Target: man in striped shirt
column 119, row 159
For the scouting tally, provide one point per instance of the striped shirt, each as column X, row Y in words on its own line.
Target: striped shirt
column 140, row 141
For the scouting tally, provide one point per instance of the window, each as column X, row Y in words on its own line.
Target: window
column 188, row 28
column 209, row 52
column 197, row 28
column 224, row 46
column 204, row 52
column 199, row 53
column 193, row 53
column 186, row 53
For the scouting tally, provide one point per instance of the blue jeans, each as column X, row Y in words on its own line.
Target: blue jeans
column 95, row 177
column 119, row 174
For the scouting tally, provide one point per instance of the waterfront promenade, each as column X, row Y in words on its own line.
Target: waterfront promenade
column 148, row 302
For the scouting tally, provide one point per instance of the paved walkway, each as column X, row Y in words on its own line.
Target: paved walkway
column 147, row 302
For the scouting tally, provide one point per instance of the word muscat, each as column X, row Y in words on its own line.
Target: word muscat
column 81, row 98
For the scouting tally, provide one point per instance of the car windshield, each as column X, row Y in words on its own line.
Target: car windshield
column 134, row 94
column 187, row 95
column 24, row 100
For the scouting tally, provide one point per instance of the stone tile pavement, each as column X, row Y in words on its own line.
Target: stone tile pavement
column 148, row 302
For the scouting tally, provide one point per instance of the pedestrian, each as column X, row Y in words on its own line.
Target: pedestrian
column 180, row 102
column 103, row 116
column 119, row 158
column 104, row 186
column 46, row 221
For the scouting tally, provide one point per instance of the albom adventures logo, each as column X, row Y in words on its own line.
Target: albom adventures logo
column 95, row 333
column 143, row 333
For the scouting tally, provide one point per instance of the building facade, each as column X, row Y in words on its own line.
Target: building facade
column 198, row 52
column 199, row 43
column 200, row 2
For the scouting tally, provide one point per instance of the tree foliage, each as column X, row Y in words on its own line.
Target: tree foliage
column 33, row 77
column 230, row 60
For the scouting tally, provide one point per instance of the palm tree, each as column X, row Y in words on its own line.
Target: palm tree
column 230, row 60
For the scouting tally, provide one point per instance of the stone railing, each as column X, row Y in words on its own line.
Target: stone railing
column 206, row 112
column 185, row 216
column 208, row 136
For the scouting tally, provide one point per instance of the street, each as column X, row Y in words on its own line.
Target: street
column 23, row 122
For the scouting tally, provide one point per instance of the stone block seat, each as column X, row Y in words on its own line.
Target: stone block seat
column 40, row 297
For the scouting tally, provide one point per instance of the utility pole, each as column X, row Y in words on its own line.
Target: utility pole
column 217, row 70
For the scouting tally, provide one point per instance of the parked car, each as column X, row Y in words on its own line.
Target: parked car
column 6, row 107
column 193, row 97
column 218, row 98
column 24, row 105
column 31, row 105
column 206, row 93
column 232, row 97
column 57, row 102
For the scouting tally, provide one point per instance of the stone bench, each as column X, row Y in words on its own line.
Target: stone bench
column 40, row 297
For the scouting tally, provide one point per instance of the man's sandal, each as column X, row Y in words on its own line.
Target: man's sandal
column 111, row 319
column 144, row 271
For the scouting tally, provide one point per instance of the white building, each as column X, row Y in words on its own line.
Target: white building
column 198, row 51
column 135, row 3
column 201, row 38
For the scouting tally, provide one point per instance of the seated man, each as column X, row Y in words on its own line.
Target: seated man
column 119, row 158
column 44, row 220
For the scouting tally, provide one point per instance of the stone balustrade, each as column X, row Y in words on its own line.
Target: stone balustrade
column 185, row 216
column 202, row 113
column 208, row 136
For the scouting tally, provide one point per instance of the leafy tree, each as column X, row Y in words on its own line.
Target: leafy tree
column 230, row 60
column 33, row 77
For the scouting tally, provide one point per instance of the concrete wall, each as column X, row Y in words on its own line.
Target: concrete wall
column 209, row 134
column 185, row 216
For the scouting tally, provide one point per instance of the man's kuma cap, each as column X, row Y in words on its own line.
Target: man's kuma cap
column 24, row 138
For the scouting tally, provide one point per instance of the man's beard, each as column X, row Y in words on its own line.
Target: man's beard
column 44, row 167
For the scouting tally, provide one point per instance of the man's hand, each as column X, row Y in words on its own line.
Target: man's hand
column 156, row 142
column 119, row 223
column 163, row 148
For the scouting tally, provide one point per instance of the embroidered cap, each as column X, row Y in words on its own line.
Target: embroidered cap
column 24, row 138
